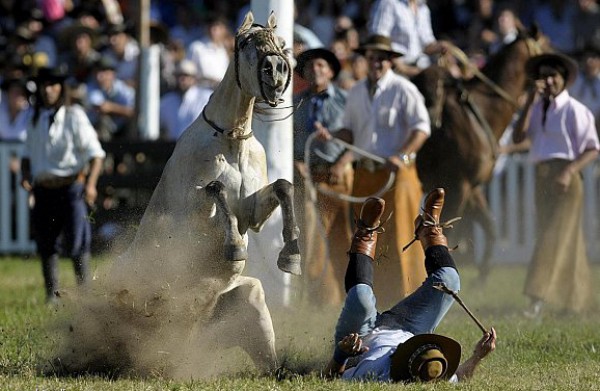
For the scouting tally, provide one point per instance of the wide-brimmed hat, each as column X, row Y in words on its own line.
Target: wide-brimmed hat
column 105, row 63
column 425, row 357
column 532, row 65
column 186, row 67
column 45, row 74
column 325, row 54
column 70, row 33
column 13, row 81
column 378, row 42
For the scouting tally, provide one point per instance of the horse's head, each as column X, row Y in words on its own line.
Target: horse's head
column 261, row 64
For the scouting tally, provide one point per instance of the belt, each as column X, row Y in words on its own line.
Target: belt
column 369, row 165
column 56, row 182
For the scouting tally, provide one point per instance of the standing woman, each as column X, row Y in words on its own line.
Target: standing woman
column 61, row 164
column 563, row 140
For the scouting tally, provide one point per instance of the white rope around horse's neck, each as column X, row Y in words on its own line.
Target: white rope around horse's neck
column 310, row 186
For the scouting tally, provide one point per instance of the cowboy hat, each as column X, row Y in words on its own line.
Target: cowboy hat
column 325, row 54
column 532, row 65
column 45, row 74
column 13, row 81
column 69, row 34
column 425, row 357
column 378, row 42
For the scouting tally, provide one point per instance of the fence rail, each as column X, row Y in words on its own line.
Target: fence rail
column 510, row 194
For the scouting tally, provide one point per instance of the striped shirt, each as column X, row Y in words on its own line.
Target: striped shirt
column 410, row 32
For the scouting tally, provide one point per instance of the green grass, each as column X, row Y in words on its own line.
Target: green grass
column 561, row 352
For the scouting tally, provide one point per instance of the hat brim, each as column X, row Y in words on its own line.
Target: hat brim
column 451, row 349
column 533, row 64
column 70, row 33
column 325, row 54
column 382, row 48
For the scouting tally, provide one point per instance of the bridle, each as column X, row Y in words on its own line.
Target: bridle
column 267, row 37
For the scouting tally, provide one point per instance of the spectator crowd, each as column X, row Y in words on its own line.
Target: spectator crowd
column 95, row 42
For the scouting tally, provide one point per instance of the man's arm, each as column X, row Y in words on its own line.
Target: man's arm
column 26, row 174
column 91, row 192
column 414, row 143
column 350, row 345
column 485, row 346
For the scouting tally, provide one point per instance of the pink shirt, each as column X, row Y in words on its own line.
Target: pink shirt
column 569, row 130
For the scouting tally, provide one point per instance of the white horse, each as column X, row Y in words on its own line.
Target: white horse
column 184, row 266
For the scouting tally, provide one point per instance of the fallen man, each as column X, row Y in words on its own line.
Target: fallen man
column 398, row 345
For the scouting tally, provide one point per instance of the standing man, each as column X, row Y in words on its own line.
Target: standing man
column 326, row 218
column 179, row 108
column 408, row 24
column 385, row 115
column 563, row 141
column 61, row 164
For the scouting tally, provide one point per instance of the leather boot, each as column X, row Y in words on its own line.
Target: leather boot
column 428, row 229
column 367, row 226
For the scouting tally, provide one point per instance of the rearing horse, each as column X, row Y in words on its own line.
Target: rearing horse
column 468, row 120
column 179, row 284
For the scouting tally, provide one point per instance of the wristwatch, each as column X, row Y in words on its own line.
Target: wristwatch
column 407, row 158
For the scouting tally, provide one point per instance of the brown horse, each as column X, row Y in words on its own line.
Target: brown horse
column 468, row 118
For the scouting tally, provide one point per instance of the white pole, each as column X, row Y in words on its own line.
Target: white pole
column 277, row 138
column 149, row 91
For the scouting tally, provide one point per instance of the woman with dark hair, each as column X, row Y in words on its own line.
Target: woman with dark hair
column 60, row 167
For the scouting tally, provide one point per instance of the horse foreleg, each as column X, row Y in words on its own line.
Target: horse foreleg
column 241, row 318
column 263, row 203
column 483, row 216
column 234, row 247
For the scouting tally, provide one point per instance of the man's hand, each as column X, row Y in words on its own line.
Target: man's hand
column 563, row 180
column 336, row 173
column 352, row 345
column 486, row 344
column 91, row 194
column 394, row 163
column 322, row 133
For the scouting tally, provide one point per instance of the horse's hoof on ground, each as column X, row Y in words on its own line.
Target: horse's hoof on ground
column 236, row 253
column 289, row 258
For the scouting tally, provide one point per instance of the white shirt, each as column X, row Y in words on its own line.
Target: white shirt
column 177, row 112
column 13, row 130
column 569, row 130
column 63, row 148
column 382, row 126
column 410, row 32
column 211, row 60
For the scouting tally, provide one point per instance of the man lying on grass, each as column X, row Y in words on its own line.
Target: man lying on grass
column 398, row 344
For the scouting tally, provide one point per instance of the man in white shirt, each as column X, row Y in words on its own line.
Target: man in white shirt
column 60, row 167
column 385, row 115
column 179, row 108
column 398, row 345
column 408, row 24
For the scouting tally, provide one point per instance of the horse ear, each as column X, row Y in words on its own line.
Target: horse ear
column 247, row 23
column 272, row 22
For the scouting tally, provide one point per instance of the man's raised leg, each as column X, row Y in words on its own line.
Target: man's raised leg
column 423, row 310
column 359, row 312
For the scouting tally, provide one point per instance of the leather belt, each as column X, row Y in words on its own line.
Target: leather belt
column 56, row 182
column 369, row 165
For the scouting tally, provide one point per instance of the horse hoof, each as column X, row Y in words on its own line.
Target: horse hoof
column 235, row 253
column 289, row 258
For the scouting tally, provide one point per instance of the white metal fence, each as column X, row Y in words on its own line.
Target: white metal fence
column 14, row 207
column 510, row 194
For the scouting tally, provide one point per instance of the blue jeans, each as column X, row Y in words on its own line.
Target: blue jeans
column 418, row 313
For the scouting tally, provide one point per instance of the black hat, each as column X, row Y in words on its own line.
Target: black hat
column 533, row 65
column 591, row 48
column 378, row 42
column 46, row 74
column 425, row 357
column 105, row 63
column 18, row 81
column 68, row 34
column 325, row 54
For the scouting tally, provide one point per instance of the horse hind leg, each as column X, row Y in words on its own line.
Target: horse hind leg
column 234, row 247
column 483, row 216
column 242, row 318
